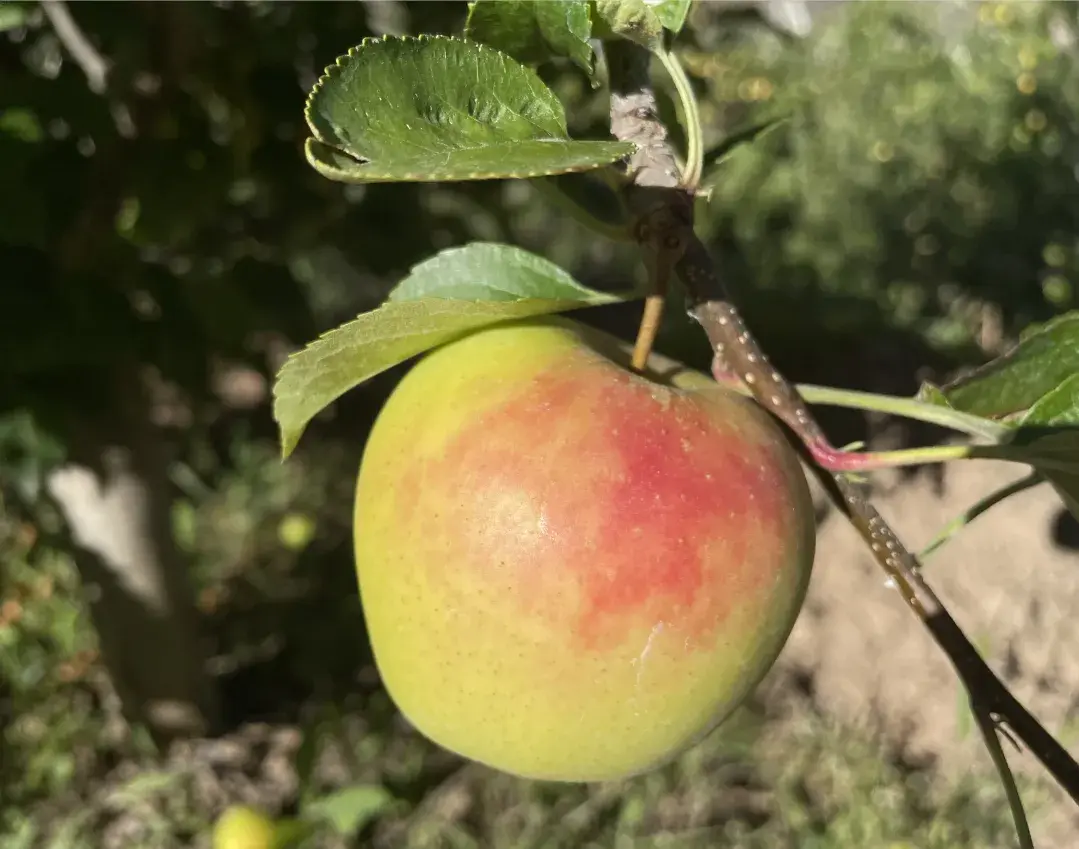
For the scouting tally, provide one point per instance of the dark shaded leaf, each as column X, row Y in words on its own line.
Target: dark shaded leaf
column 533, row 31
column 587, row 197
column 1048, row 439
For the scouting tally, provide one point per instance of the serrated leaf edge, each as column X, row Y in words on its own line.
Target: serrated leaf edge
column 337, row 66
column 289, row 443
column 368, row 171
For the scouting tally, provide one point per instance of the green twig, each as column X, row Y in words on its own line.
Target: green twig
column 981, row 506
column 910, row 457
column 1011, row 790
column 691, row 119
column 894, row 405
column 906, row 407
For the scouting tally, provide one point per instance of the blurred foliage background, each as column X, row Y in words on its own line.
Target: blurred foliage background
column 909, row 216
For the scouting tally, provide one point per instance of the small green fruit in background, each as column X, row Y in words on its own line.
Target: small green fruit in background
column 242, row 827
column 571, row 571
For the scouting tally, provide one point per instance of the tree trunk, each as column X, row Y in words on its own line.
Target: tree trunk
column 115, row 498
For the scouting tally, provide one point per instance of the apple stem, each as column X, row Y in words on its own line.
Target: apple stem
column 868, row 461
column 646, row 333
column 691, row 119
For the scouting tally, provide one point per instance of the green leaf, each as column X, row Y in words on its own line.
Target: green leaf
column 930, row 393
column 488, row 271
column 434, row 108
column 671, row 13
column 1058, row 408
column 1067, row 487
column 1046, row 449
column 1048, row 439
column 21, row 124
column 533, row 31
column 444, row 298
column 634, row 20
column 1015, row 381
column 491, row 162
column 1056, row 455
column 351, row 808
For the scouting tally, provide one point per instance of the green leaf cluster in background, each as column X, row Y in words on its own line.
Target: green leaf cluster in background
column 916, row 181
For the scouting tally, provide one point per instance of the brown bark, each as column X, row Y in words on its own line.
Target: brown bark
column 114, row 496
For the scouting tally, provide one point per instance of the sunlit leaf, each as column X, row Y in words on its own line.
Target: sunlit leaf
column 434, row 108
column 1058, row 408
column 1016, row 380
column 488, row 271
column 444, row 298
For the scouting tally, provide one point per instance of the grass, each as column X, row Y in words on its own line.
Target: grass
column 270, row 551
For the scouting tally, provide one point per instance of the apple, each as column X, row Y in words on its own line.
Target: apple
column 243, row 827
column 569, row 570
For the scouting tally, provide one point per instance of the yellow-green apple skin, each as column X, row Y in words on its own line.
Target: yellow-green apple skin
column 570, row 571
column 242, row 827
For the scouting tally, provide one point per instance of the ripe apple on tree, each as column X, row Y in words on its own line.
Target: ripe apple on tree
column 569, row 570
